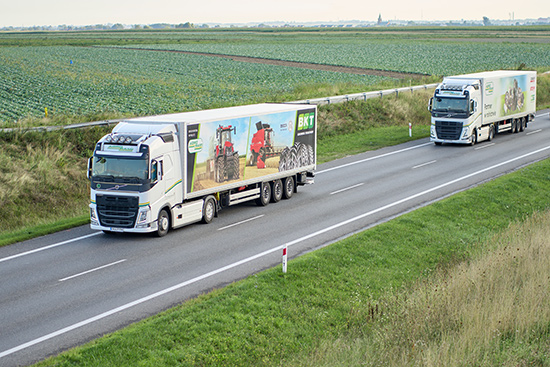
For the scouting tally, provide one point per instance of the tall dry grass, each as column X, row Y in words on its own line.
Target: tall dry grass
column 494, row 310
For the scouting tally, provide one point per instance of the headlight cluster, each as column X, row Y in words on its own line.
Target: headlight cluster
column 93, row 217
column 142, row 218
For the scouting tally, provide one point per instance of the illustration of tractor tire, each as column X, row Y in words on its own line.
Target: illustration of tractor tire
column 220, row 169
column 283, row 160
column 311, row 155
column 253, row 159
column 236, row 168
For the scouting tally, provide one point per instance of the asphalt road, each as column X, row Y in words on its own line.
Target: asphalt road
column 64, row 289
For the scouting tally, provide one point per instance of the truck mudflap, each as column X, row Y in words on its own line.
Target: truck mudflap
column 305, row 178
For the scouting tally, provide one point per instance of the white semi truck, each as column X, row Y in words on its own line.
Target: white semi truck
column 151, row 174
column 470, row 108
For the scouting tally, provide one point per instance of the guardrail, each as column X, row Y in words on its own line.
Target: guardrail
column 364, row 96
column 317, row 101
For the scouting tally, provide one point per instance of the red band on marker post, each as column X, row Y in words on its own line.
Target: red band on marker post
column 284, row 259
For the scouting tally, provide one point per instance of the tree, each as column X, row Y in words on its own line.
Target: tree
column 486, row 21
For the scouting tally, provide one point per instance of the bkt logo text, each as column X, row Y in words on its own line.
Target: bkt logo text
column 306, row 121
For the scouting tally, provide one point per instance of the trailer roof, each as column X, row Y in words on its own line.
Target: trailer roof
column 221, row 113
column 491, row 74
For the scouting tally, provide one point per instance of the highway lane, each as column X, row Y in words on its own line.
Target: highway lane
column 57, row 294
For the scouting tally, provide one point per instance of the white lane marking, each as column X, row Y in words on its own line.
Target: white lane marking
column 423, row 164
column 364, row 215
column 544, row 114
column 248, row 259
column 134, row 303
column 484, row 146
column 534, row 132
column 241, row 222
column 92, row 270
column 346, row 189
column 372, row 158
column 49, row 247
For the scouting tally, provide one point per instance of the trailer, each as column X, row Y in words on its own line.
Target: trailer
column 467, row 109
column 156, row 173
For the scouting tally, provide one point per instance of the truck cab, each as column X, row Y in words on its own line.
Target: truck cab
column 133, row 173
column 455, row 113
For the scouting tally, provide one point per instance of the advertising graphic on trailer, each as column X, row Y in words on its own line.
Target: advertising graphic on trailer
column 249, row 147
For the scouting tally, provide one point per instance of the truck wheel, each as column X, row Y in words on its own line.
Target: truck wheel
column 277, row 192
column 514, row 126
column 288, row 187
column 474, row 137
column 163, row 223
column 522, row 124
column 208, row 210
column 265, row 194
column 491, row 133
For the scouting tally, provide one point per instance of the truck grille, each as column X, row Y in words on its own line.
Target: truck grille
column 117, row 211
column 449, row 130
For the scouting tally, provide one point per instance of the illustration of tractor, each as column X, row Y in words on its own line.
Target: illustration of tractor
column 262, row 146
column 226, row 159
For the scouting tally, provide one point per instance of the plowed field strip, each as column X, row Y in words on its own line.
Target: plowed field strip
column 303, row 65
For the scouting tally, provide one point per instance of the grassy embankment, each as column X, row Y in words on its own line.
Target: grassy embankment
column 463, row 281
column 43, row 174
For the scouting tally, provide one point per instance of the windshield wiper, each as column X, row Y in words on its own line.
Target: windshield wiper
column 109, row 178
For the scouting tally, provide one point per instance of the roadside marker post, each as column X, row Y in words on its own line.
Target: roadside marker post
column 284, row 259
column 410, row 129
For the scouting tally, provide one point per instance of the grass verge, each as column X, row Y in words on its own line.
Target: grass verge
column 337, row 293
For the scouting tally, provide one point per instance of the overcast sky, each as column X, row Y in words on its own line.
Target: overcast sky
column 87, row 12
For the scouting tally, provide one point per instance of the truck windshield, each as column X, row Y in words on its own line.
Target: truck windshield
column 443, row 104
column 115, row 167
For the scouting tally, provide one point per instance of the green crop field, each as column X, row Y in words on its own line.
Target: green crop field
column 413, row 56
column 139, row 82
column 79, row 75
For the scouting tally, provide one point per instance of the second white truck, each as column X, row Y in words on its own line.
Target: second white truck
column 470, row 108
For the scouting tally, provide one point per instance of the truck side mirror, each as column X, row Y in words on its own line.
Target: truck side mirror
column 472, row 107
column 430, row 104
column 89, row 172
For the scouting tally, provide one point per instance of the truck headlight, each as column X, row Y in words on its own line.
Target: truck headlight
column 466, row 133
column 142, row 218
column 93, row 217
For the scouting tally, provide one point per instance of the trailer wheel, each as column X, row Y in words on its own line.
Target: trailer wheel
column 491, row 133
column 277, row 193
column 163, row 223
column 522, row 124
column 288, row 187
column 208, row 210
column 514, row 127
column 265, row 194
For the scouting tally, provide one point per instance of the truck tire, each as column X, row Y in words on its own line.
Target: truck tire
column 474, row 137
column 277, row 191
column 514, row 126
column 163, row 223
column 491, row 133
column 208, row 210
column 265, row 194
column 288, row 187
column 522, row 124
